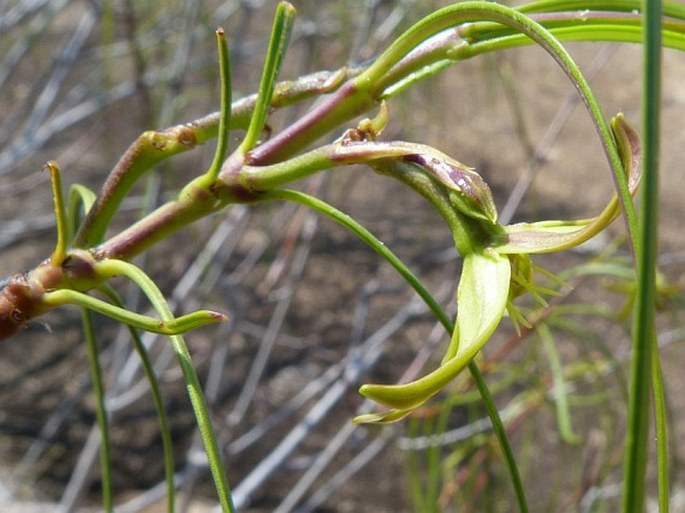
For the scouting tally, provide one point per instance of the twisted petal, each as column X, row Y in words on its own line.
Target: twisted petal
column 550, row 236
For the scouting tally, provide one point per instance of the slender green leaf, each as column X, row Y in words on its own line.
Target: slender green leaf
column 100, row 410
column 60, row 251
column 225, row 112
column 162, row 418
column 173, row 327
column 197, row 399
column 661, row 429
column 635, row 469
column 280, row 35
column 560, row 387
column 643, row 334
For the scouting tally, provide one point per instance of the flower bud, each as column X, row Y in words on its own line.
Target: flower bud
column 468, row 192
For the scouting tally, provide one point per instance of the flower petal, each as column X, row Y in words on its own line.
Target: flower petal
column 550, row 236
column 482, row 298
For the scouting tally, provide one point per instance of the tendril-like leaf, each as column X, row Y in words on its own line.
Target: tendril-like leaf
column 178, row 325
column 60, row 251
column 280, row 35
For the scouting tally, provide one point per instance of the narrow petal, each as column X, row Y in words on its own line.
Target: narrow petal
column 551, row 236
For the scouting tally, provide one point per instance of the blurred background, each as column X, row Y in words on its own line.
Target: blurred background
column 314, row 312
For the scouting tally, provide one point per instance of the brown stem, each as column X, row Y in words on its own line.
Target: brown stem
column 341, row 106
column 21, row 296
column 192, row 204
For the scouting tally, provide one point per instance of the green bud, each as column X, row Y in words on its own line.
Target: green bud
column 468, row 192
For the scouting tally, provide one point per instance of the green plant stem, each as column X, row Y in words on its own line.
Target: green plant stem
column 643, row 332
column 197, row 399
column 204, row 421
column 380, row 248
column 353, row 98
column 673, row 9
column 502, row 437
column 193, row 202
column 151, row 148
column 661, row 429
column 609, row 32
column 155, row 392
column 369, row 239
column 80, row 200
column 164, row 428
column 100, row 410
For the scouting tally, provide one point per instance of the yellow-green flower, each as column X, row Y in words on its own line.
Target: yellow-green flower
column 496, row 269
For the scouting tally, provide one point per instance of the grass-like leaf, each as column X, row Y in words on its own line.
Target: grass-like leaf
column 100, row 410
column 646, row 241
column 280, row 35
